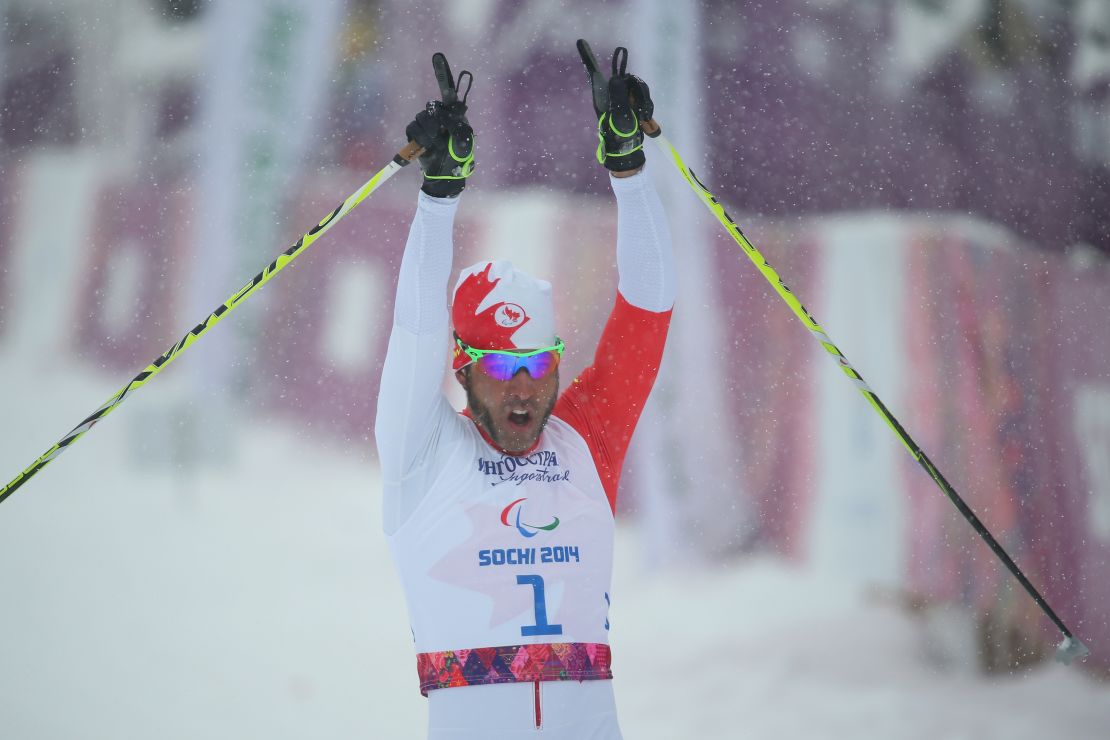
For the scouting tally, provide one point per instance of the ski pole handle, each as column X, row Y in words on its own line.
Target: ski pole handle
column 651, row 127
column 408, row 152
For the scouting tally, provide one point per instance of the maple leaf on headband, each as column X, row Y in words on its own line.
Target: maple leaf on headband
column 481, row 329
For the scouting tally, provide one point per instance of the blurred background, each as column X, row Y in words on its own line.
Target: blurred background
column 930, row 177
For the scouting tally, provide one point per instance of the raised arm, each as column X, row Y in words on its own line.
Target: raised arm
column 624, row 114
column 604, row 403
column 412, row 411
column 412, row 374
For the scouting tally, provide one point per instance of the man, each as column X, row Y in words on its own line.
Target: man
column 500, row 519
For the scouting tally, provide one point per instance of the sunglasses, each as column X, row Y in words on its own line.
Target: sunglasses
column 505, row 364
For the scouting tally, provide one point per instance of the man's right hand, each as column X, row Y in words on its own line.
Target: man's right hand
column 442, row 130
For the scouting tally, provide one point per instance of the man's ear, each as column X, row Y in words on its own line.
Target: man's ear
column 463, row 376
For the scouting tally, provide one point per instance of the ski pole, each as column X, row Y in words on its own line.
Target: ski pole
column 1071, row 647
column 402, row 158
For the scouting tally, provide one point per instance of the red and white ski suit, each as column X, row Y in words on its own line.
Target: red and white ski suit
column 506, row 560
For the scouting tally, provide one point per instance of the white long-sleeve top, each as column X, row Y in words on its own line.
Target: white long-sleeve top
column 506, row 560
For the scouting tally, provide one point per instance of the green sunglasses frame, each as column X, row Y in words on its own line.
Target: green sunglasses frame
column 477, row 354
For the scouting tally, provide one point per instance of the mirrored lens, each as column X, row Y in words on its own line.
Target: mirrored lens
column 504, row 367
column 541, row 364
column 498, row 367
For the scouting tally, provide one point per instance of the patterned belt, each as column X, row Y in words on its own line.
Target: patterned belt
column 558, row 661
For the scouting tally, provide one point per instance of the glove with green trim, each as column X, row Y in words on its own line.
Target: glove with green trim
column 620, row 104
column 448, row 142
column 443, row 132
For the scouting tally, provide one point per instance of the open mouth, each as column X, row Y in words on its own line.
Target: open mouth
column 520, row 418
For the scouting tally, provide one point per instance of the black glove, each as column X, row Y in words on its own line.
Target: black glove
column 446, row 136
column 620, row 103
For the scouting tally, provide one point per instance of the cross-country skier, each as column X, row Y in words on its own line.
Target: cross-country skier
column 500, row 518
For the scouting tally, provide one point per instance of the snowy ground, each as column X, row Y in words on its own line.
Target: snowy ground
column 255, row 599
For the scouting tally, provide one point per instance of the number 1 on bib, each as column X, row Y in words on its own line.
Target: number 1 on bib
column 541, row 627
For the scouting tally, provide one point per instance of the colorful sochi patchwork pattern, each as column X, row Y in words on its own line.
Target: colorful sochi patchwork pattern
column 559, row 661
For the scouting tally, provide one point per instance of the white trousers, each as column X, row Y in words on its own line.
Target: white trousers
column 551, row 710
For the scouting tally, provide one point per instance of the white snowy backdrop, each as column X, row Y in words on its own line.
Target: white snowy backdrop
column 208, row 561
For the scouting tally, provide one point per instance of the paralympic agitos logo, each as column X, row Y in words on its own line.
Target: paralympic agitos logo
column 527, row 530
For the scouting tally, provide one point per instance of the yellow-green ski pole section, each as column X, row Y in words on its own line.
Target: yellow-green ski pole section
column 402, row 158
column 1071, row 648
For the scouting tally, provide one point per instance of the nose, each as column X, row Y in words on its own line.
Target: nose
column 522, row 385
